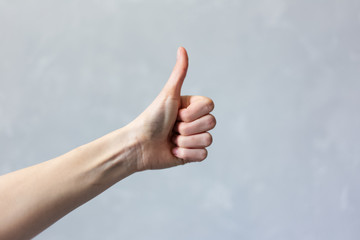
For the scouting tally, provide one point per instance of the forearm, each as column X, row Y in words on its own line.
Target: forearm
column 170, row 132
column 33, row 198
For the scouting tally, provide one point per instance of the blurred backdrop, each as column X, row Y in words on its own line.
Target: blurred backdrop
column 284, row 75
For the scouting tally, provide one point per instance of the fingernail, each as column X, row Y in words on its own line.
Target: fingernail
column 178, row 53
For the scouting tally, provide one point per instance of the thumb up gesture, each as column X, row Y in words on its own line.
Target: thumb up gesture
column 173, row 130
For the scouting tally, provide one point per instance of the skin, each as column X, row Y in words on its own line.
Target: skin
column 172, row 131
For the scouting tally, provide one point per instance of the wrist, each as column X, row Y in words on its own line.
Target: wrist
column 111, row 157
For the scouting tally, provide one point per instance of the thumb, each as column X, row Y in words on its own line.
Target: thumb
column 173, row 85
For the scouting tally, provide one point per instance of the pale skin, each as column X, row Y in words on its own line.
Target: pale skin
column 172, row 131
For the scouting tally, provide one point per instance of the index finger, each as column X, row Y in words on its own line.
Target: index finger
column 194, row 107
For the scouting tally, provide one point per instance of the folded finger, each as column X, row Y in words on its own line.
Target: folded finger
column 194, row 107
column 194, row 141
column 200, row 125
column 190, row 155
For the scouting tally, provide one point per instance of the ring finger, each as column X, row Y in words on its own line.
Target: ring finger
column 194, row 141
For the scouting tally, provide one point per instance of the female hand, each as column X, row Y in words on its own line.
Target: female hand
column 173, row 130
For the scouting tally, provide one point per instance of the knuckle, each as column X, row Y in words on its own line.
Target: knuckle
column 209, row 105
column 211, row 121
column 208, row 139
column 203, row 154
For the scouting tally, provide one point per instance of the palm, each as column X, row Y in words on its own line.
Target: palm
column 157, row 132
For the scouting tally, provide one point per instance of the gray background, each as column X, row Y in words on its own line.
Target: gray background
column 284, row 76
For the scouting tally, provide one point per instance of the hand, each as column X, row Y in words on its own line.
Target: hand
column 173, row 129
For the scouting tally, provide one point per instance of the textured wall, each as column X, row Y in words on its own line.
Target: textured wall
column 284, row 75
